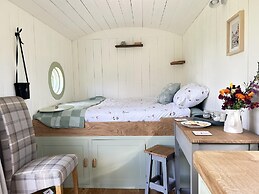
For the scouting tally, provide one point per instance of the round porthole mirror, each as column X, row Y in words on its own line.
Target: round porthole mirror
column 56, row 80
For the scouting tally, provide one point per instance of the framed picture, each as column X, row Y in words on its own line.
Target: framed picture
column 235, row 33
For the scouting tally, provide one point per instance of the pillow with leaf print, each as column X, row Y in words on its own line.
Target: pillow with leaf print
column 191, row 95
column 167, row 94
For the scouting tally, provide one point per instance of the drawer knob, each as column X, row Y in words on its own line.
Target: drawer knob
column 85, row 162
column 94, row 163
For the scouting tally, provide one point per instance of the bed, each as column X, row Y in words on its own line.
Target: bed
column 131, row 117
column 124, row 117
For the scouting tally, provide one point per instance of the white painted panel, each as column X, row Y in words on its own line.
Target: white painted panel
column 42, row 14
column 98, row 68
column 170, row 11
column 114, row 159
column 137, row 12
column 68, row 10
column 82, row 70
column 110, row 68
column 76, row 78
column 130, row 72
column 91, row 6
column 205, row 53
column 158, row 10
column 127, row 12
column 116, row 12
column 148, row 12
column 56, row 13
column 42, row 46
column 123, row 62
column 104, row 8
column 84, row 15
column 155, row 72
column 89, row 65
column 7, row 48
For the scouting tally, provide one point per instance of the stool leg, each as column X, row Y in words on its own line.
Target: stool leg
column 158, row 171
column 148, row 173
column 165, row 176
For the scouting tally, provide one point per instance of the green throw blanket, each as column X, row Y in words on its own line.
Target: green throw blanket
column 71, row 118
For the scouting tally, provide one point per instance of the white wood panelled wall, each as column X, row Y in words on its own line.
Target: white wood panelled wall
column 42, row 46
column 102, row 69
column 204, row 46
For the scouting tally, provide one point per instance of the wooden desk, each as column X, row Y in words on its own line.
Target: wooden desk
column 186, row 143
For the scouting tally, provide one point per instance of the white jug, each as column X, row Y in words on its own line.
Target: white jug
column 233, row 122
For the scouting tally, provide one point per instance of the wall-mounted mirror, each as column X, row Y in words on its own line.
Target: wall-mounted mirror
column 56, row 80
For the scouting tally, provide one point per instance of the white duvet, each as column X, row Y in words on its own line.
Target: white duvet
column 132, row 109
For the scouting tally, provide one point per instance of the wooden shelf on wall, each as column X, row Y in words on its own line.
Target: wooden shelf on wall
column 128, row 45
column 177, row 62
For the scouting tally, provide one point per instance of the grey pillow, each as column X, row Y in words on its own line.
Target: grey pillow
column 168, row 93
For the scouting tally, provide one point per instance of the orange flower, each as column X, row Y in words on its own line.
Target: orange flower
column 224, row 91
column 240, row 96
column 251, row 94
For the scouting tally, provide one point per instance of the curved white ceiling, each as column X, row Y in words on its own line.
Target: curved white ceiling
column 76, row 18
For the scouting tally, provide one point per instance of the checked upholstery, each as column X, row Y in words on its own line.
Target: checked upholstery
column 23, row 172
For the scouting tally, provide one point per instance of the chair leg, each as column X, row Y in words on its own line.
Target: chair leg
column 75, row 180
column 59, row 189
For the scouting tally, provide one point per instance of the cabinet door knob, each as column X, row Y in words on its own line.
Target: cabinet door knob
column 85, row 162
column 94, row 163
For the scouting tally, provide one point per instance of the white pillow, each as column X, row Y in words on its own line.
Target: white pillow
column 191, row 95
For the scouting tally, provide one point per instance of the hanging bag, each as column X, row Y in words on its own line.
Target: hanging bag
column 22, row 89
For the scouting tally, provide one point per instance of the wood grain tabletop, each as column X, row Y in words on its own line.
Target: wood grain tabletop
column 229, row 172
column 218, row 135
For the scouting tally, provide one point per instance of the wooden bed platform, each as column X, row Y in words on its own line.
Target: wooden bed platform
column 164, row 127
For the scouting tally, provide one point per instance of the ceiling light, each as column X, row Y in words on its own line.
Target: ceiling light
column 223, row 2
column 214, row 3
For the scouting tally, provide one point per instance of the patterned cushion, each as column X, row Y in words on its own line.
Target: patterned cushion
column 168, row 93
column 43, row 173
column 191, row 95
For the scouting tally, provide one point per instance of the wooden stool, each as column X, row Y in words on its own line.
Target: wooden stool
column 160, row 182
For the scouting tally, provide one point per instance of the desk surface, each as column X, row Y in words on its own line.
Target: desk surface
column 218, row 136
column 229, row 171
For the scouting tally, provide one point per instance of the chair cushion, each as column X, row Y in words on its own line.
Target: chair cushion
column 43, row 173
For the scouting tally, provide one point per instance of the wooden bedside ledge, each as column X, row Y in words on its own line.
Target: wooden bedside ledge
column 229, row 171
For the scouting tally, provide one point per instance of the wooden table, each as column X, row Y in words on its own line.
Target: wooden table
column 186, row 143
column 228, row 171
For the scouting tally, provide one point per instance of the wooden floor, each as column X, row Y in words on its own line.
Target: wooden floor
column 110, row 191
column 106, row 191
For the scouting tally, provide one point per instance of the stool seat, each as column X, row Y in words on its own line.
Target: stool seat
column 160, row 181
column 161, row 151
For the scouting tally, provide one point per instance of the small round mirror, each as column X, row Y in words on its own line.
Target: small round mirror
column 56, row 80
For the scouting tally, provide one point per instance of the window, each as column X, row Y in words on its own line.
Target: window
column 56, row 80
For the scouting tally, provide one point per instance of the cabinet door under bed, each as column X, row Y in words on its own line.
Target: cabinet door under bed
column 105, row 161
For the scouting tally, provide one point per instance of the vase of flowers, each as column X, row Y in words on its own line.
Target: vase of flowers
column 235, row 99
